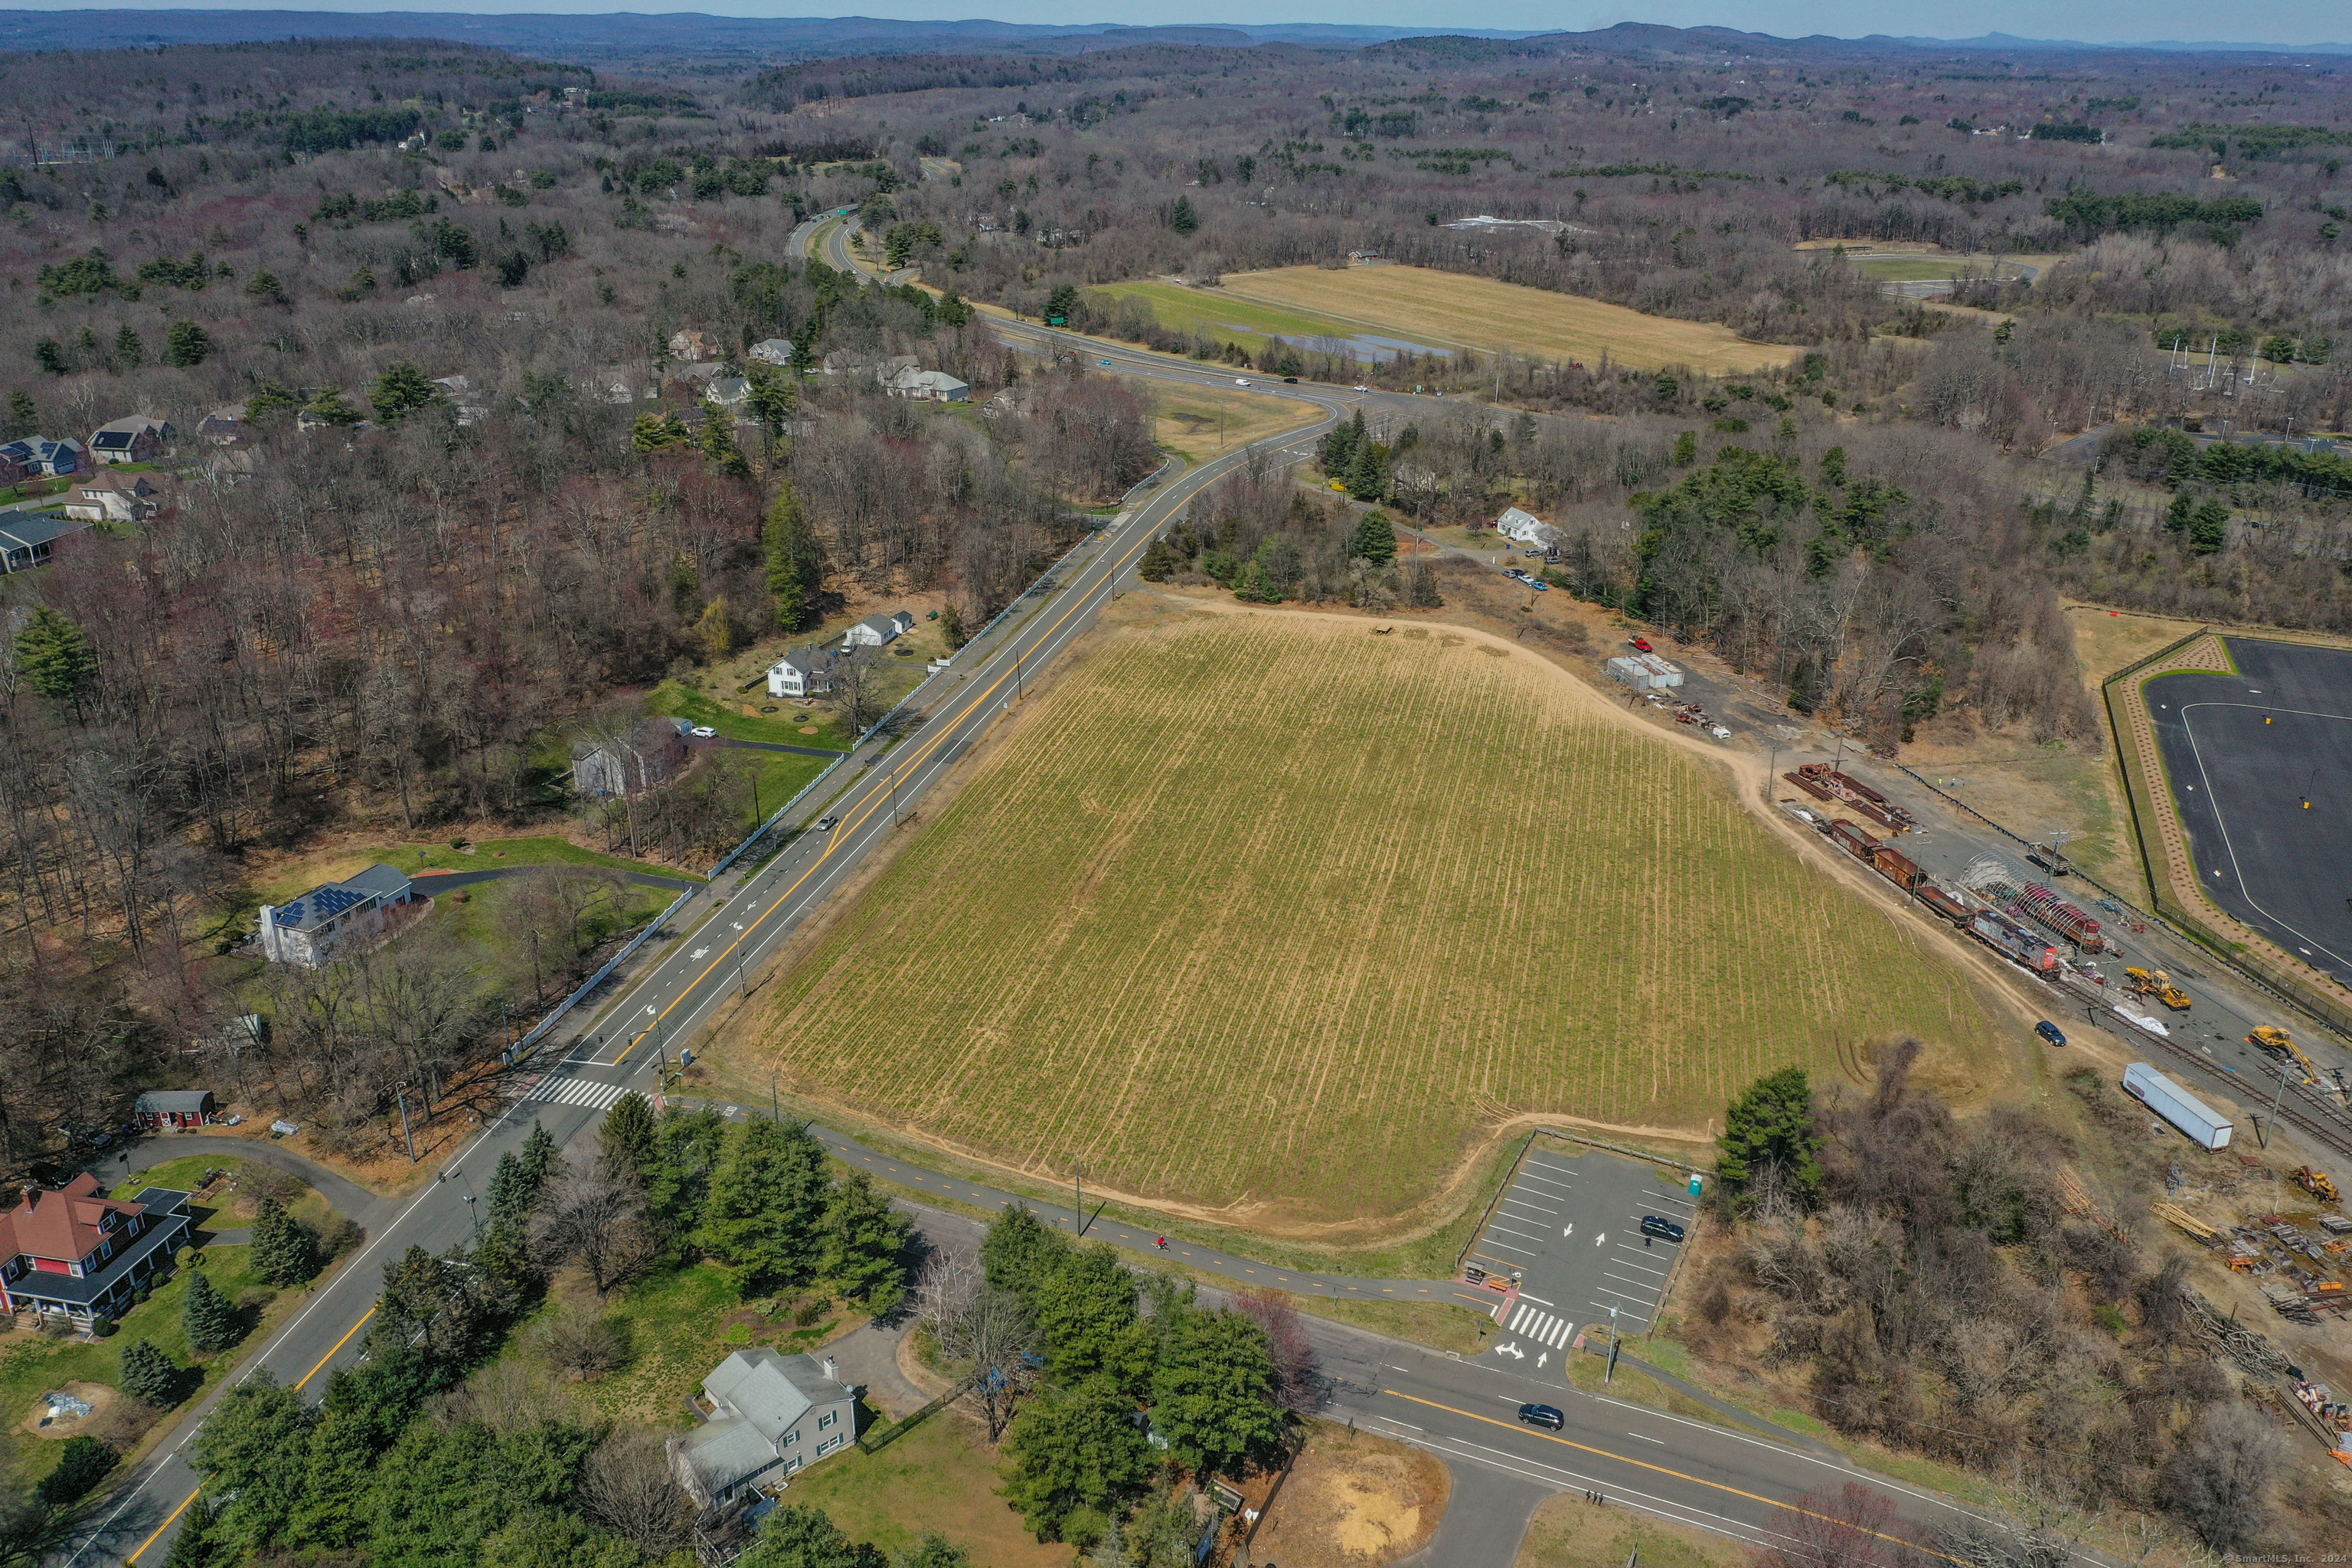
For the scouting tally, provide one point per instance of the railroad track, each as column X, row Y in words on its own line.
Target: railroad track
column 2307, row 1112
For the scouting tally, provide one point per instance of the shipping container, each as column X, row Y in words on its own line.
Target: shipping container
column 2205, row 1127
column 1663, row 672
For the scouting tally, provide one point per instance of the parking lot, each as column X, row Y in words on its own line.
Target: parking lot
column 1568, row 1231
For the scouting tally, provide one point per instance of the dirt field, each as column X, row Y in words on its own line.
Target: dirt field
column 1353, row 1500
column 1451, row 308
column 1303, row 914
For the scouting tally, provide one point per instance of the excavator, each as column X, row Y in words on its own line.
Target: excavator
column 2279, row 1045
column 2159, row 985
column 2317, row 1183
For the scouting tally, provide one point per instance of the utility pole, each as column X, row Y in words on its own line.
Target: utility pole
column 1078, row 1184
column 1610, row 1373
column 775, row 1106
column 406, row 1136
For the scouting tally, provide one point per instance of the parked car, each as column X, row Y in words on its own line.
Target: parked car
column 824, row 824
column 2050, row 1032
column 702, row 731
column 1539, row 585
column 1662, row 1227
column 1361, row 387
column 1102, row 361
column 1641, row 645
column 1546, row 1416
column 1290, row 380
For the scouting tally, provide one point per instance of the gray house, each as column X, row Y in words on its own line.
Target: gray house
column 649, row 753
column 308, row 930
column 875, row 631
column 770, row 1415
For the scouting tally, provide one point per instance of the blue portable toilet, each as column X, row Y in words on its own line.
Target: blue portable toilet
column 1696, row 1181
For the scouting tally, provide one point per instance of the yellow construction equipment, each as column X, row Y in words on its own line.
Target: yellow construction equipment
column 2278, row 1043
column 2157, row 983
column 2317, row 1183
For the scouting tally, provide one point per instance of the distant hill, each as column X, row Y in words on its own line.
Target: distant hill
column 695, row 35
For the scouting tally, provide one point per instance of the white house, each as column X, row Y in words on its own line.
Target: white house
column 877, row 631
column 804, row 672
column 308, row 930
column 770, row 1415
column 931, row 385
column 1524, row 528
column 728, row 392
column 772, row 351
column 111, row 498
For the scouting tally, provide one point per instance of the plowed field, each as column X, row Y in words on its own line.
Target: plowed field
column 1262, row 910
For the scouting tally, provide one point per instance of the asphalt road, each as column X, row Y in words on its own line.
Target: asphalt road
column 2244, row 754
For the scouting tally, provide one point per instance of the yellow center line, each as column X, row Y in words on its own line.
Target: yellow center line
column 1679, row 1475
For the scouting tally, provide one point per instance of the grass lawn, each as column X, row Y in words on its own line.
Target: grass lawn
column 941, row 1476
column 1302, row 913
column 1199, row 422
column 230, row 1203
column 32, row 1365
column 478, row 923
column 1447, row 309
column 1569, row 1532
column 725, row 714
column 677, row 1327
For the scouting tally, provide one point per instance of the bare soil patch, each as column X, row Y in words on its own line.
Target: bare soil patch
column 1353, row 1500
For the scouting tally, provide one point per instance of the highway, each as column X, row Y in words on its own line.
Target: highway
column 1693, row 1472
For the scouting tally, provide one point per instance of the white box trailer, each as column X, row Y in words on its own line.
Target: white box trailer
column 1663, row 672
column 2205, row 1127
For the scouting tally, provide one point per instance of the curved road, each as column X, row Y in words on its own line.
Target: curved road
column 1730, row 1481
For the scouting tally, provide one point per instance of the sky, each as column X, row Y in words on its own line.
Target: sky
column 2092, row 21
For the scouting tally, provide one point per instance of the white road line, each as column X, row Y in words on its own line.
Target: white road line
column 1518, row 1320
column 1522, row 1235
column 1539, row 1300
column 1522, row 1251
column 1629, row 1263
column 1523, row 1204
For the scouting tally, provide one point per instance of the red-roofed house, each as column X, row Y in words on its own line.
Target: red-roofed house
column 73, row 1252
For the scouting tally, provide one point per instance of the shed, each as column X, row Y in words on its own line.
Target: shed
column 177, row 1107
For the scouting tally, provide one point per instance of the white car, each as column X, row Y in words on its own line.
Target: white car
column 1241, row 381
column 702, row 731
column 1360, row 387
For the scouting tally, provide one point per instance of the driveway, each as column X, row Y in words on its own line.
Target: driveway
column 348, row 1199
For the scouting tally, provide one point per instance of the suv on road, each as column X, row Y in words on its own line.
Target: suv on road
column 1544, row 1415
column 1662, row 1227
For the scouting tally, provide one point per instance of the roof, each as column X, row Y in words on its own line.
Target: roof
column 759, row 1383
column 174, row 1101
column 61, row 1223
column 328, row 900
column 727, row 389
column 774, row 351
column 107, row 479
column 808, row 659
column 727, row 1451
column 888, row 625
column 29, row 530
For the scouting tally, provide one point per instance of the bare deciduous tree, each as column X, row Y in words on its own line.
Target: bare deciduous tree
column 984, row 1333
column 628, row 1488
column 595, row 1218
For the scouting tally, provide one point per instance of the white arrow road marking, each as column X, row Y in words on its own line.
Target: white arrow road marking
column 1600, row 1238
column 1568, row 1232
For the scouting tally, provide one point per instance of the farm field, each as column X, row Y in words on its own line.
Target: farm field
column 1302, row 913
column 1228, row 317
column 1452, row 308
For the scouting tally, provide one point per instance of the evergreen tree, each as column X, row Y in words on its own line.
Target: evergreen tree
column 1074, row 1447
column 1364, row 471
column 2208, row 527
column 1338, row 450
column 1020, row 1252
column 209, row 1319
column 511, row 1193
column 150, row 1376
column 24, row 417
column 767, row 1205
column 795, row 566
column 81, row 1465
column 1182, row 217
column 934, row 1551
column 401, row 389
column 255, row 1444
column 540, row 1158
column 1063, row 302
column 55, row 656
column 186, row 344
column 1211, row 1393
column 719, row 445
column 1832, row 466
column 679, row 1183
column 285, row 1250
column 128, row 348
column 1376, row 538
column 864, row 1244
column 1768, row 1136
column 800, row 1536
column 1084, row 1308
column 201, row 1542
column 626, row 1142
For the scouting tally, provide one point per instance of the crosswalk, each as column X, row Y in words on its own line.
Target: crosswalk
column 584, row 1092
column 1542, row 1326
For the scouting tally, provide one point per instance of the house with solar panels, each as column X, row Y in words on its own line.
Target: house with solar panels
column 306, row 931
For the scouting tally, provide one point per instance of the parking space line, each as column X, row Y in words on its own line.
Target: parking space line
column 1625, row 1296
column 1522, row 1235
column 1542, row 1164
column 1631, row 1264
column 1563, row 1186
column 1506, row 1247
column 1526, row 1204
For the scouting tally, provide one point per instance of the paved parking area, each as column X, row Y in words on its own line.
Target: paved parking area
column 1568, row 1231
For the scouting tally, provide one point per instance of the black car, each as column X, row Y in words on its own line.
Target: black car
column 1544, row 1415
column 2050, row 1032
column 1662, row 1227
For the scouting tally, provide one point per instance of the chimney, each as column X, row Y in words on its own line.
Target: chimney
column 832, row 1370
column 31, row 1195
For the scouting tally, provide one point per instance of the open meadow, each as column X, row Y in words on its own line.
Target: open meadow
column 1268, row 914
column 1199, row 422
column 1450, row 308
